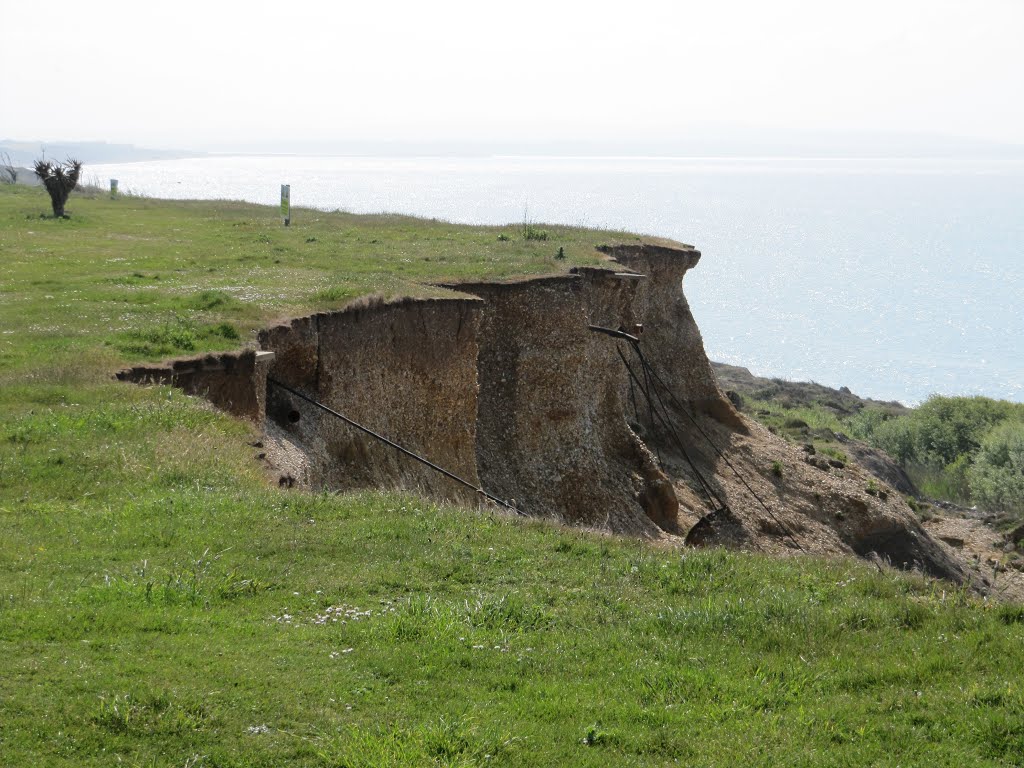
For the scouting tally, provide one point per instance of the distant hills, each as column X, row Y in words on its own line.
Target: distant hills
column 25, row 153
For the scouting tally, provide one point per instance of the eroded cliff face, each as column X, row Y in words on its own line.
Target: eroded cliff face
column 234, row 382
column 508, row 386
column 551, row 427
column 406, row 370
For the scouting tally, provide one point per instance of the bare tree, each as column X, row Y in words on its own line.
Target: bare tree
column 59, row 179
column 8, row 173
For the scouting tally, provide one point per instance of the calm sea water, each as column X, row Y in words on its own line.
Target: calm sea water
column 897, row 278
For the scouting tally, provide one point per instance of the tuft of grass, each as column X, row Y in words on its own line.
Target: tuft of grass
column 210, row 300
column 163, row 340
column 334, row 295
column 176, row 338
column 531, row 232
column 833, row 452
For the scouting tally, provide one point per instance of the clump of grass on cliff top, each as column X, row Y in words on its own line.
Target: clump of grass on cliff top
column 162, row 603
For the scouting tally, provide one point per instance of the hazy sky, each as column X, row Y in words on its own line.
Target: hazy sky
column 188, row 74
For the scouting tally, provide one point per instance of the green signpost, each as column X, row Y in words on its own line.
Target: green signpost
column 286, row 203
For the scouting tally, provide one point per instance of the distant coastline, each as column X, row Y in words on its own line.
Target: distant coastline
column 25, row 153
column 722, row 142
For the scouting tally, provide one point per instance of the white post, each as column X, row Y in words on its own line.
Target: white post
column 286, row 203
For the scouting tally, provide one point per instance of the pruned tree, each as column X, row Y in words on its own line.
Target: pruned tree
column 8, row 173
column 59, row 179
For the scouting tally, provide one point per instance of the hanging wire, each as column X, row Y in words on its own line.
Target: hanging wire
column 718, row 451
column 650, row 373
column 709, row 492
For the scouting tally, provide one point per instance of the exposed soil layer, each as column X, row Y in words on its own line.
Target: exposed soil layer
column 406, row 370
column 234, row 382
column 510, row 386
column 551, row 430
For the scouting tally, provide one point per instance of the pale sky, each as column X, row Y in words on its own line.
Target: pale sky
column 191, row 74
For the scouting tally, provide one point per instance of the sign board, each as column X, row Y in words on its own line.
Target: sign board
column 286, row 203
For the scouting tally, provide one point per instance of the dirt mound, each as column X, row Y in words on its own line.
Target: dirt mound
column 878, row 463
column 990, row 556
column 797, row 393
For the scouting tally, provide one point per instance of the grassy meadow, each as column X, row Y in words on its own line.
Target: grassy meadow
column 164, row 603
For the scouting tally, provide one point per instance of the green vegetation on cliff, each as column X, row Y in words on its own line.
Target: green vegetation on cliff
column 162, row 604
column 964, row 449
column 968, row 449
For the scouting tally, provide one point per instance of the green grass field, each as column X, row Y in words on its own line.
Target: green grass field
column 143, row 278
column 163, row 604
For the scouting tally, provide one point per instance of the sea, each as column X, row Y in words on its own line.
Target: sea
column 897, row 278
